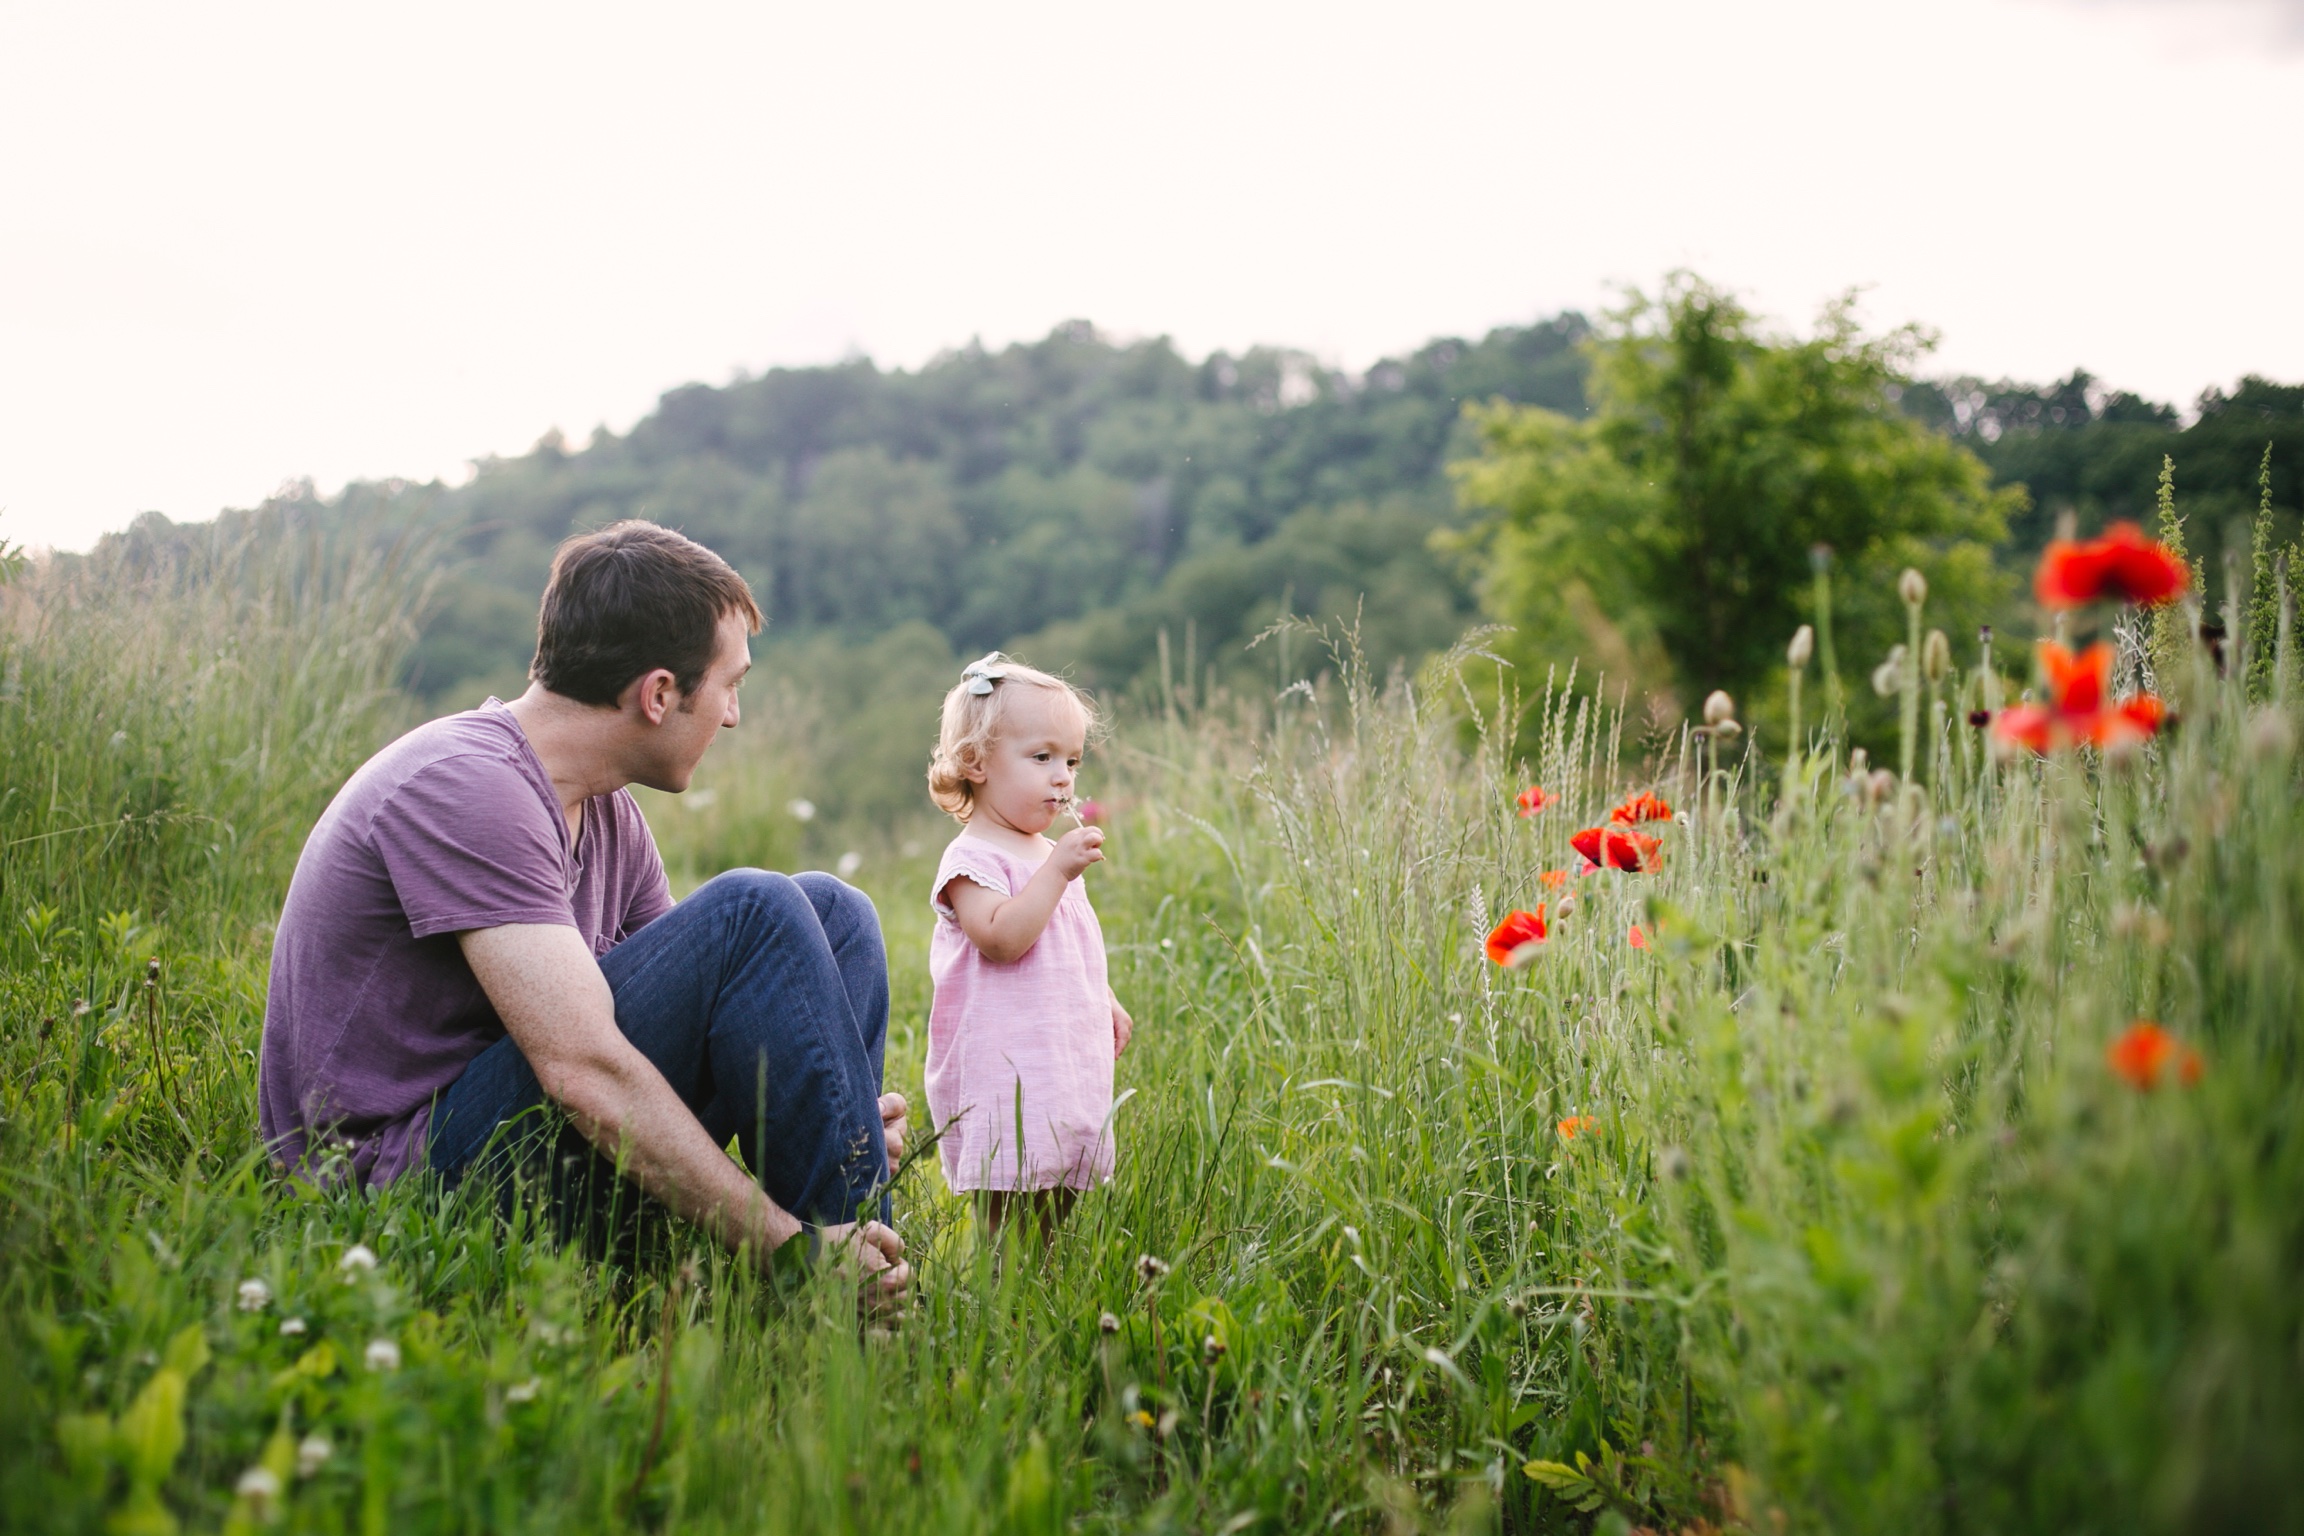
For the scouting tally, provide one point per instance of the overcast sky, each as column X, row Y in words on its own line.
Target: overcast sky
column 245, row 243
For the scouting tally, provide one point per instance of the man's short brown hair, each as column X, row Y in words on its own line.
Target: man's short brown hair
column 629, row 599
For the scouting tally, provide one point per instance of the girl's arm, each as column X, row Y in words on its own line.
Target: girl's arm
column 1123, row 1026
column 1004, row 928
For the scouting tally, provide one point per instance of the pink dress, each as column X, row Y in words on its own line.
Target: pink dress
column 1019, row 1055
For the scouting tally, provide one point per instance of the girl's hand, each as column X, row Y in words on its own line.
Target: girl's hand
column 1123, row 1027
column 1077, row 849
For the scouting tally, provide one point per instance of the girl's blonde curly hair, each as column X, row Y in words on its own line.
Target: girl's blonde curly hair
column 972, row 714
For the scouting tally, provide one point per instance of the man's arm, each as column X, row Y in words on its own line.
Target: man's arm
column 549, row 992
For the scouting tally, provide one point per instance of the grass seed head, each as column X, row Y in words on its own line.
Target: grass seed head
column 259, row 1489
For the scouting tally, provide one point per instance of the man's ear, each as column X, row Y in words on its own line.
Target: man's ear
column 654, row 694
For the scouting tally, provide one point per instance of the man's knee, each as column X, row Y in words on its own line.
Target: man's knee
column 753, row 893
column 845, row 912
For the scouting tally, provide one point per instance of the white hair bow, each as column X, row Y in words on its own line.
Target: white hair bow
column 981, row 675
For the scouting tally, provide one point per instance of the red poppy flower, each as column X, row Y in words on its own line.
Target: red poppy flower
column 2075, row 712
column 1513, row 941
column 2122, row 566
column 1576, row 1125
column 1639, row 808
column 2145, row 1053
column 1618, row 849
column 1533, row 799
column 1636, row 938
column 1554, row 879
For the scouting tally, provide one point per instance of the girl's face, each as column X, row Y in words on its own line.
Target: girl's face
column 1025, row 781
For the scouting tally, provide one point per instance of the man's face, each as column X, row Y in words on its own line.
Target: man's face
column 677, row 745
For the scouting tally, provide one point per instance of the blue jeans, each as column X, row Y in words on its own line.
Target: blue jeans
column 763, row 999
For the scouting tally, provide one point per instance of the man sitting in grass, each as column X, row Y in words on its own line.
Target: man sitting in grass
column 480, row 925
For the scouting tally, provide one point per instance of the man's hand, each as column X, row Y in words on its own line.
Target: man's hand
column 874, row 1255
column 892, row 1125
column 1123, row 1027
column 1077, row 849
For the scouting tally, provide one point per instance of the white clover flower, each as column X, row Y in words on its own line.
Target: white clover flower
column 260, row 1489
column 524, row 1392
column 255, row 1296
column 383, row 1355
column 358, row 1259
column 850, row 862
column 291, row 1327
column 312, row 1453
column 802, row 810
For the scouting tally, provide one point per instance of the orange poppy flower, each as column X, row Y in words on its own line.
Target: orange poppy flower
column 1636, row 938
column 2145, row 1053
column 1618, row 849
column 1554, row 879
column 1513, row 942
column 1533, row 799
column 1576, row 1125
column 2122, row 566
column 2075, row 712
column 1639, row 808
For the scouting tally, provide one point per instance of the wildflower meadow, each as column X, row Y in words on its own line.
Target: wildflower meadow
column 1539, row 1120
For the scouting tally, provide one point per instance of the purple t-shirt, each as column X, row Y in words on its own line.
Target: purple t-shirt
column 372, row 1009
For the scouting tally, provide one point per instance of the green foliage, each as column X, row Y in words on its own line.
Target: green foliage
column 2094, row 455
column 1665, row 541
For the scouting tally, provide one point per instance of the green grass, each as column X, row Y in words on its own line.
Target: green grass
column 1863, row 1235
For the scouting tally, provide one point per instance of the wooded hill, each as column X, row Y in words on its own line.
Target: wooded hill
column 1074, row 497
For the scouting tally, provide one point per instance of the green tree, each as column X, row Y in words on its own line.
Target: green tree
column 1665, row 539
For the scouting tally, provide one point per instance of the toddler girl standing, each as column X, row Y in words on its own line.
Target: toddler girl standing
column 1023, row 1029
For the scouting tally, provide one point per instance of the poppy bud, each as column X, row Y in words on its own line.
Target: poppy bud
column 1979, row 718
column 1936, row 656
column 1881, row 785
column 1857, row 758
column 1726, row 732
column 1718, row 707
column 1802, row 647
column 1912, row 587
